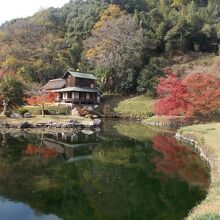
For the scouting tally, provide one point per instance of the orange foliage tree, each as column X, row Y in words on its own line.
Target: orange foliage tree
column 41, row 100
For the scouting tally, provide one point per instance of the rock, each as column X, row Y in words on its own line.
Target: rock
column 40, row 125
column 64, row 126
column 52, row 122
column 2, row 125
column 25, row 125
column 87, row 132
column 75, row 112
column 89, row 108
column 27, row 115
column 97, row 122
column 88, row 116
column 91, row 123
column 73, row 121
column 13, row 126
column 58, row 126
column 15, row 115
column 95, row 116
column 88, row 123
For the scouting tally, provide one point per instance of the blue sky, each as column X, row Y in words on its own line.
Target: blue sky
column 10, row 9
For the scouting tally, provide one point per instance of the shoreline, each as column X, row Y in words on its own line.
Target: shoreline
column 209, row 208
column 205, row 138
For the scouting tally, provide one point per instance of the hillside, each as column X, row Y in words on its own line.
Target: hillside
column 197, row 63
column 132, row 107
column 124, row 43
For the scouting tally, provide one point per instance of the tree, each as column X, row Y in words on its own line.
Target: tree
column 11, row 90
column 42, row 99
column 148, row 78
column 118, row 45
column 198, row 94
column 103, row 75
column 112, row 12
column 171, row 92
column 203, row 94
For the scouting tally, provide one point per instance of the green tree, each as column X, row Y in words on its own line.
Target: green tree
column 11, row 90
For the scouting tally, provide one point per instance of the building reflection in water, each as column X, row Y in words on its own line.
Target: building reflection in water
column 72, row 146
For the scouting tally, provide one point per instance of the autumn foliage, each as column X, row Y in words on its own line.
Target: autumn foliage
column 171, row 92
column 196, row 94
column 176, row 159
column 45, row 152
column 44, row 98
column 203, row 94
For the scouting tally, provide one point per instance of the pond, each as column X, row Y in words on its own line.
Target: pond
column 125, row 171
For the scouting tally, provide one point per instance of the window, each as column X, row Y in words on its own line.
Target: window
column 87, row 96
column 76, row 95
column 65, row 95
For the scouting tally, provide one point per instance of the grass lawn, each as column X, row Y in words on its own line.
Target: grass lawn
column 129, row 106
column 208, row 138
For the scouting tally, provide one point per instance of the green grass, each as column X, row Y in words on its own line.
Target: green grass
column 208, row 217
column 141, row 106
column 208, row 138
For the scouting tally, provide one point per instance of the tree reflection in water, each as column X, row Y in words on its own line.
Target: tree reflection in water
column 109, row 175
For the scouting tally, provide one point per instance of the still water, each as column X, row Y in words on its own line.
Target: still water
column 124, row 171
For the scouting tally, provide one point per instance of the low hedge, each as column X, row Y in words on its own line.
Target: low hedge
column 49, row 110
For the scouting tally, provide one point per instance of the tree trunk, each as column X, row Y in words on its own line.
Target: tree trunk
column 43, row 110
column 42, row 105
column 5, row 104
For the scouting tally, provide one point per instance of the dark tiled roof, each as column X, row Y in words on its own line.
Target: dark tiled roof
column 55, row 84
column 81, row 75
column 76, row 89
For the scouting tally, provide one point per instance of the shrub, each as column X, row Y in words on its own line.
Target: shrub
column 21, row 111
column 7, row 114
column 150, row 114
column 82, row 111
column 59, row 110
column 50, row 109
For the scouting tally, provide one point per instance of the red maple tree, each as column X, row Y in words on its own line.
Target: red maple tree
column 203, row 94
column 45, row 152
column 41, row 100
column 197, row 94
column 171, row 91
column 176, row 159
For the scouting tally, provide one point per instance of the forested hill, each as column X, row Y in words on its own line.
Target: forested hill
column 124, row 42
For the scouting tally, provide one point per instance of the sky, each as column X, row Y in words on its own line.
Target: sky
column 10, row 9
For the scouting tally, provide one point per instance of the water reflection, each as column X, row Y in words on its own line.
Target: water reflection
column 14, row 210
column 122, row 172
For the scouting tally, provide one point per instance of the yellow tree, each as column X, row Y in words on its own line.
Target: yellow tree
column 179, row 4
column 113, row 11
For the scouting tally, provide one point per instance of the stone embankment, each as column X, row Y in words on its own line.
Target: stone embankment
column 172, row 121
column 73, row 123
column 205, row 139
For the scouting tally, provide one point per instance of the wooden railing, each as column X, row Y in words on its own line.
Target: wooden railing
column 79, row 101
